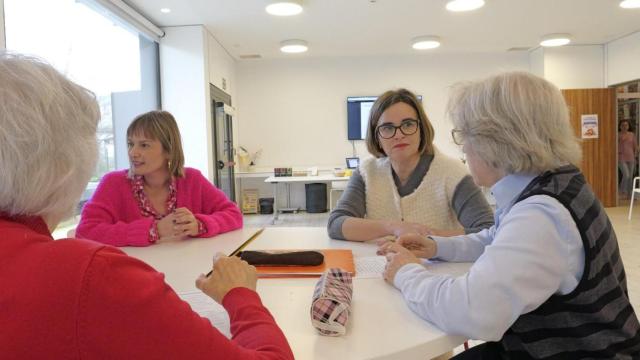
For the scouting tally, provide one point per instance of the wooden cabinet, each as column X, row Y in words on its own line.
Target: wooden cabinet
column 599, row 163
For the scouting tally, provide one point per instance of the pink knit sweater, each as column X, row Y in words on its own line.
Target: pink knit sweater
column 113, row 217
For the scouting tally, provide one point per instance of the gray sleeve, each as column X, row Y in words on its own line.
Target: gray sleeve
column 471, row 207
column 351, row 204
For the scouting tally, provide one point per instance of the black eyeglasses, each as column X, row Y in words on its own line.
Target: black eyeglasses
column 407, row 127
column 458, row 137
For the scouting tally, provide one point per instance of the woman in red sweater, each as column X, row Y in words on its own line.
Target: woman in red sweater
column 157, row 197
column 78, row 299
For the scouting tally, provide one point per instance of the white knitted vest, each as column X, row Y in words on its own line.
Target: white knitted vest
column 429, row 204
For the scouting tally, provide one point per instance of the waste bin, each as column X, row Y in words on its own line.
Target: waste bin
column 266, row 205
column 316, row 196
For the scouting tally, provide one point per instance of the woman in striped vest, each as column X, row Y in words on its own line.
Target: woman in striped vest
column 547, row 280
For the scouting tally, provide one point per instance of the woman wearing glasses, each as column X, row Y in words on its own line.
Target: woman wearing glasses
column 547, row 280
column 409, row 186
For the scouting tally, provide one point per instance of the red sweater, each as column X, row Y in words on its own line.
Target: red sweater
column 77, row 299
column 113, row 216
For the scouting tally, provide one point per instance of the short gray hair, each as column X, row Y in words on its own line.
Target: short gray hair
column 48, row 142
column 516, row 122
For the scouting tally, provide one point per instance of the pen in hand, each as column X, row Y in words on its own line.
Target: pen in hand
column 239, row 248
column 237, row 251
column 215, row 258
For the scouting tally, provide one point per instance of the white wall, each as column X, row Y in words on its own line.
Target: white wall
column 185, row 91
column 623, row 59
column 295, row 109
column 222, row 67
column 536, row 61
column 575, row 67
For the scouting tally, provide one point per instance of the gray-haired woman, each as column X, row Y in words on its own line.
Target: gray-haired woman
column 70, row 298
column 548, row 280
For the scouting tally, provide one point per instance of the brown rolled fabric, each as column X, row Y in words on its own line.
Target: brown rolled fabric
column 289, row 258
column 331, row 303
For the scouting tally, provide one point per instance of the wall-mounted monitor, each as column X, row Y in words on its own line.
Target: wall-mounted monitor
column 358, row 109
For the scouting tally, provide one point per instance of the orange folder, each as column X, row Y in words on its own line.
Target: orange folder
column 333, row 258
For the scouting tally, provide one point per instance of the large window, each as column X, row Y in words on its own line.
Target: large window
column 98, row 51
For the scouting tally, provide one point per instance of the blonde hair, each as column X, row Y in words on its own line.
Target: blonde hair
column 161, row 125
column 48, row 144
column 382, row 103
column 516, row 122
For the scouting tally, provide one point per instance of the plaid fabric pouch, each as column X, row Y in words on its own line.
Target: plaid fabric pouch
column 331, row 302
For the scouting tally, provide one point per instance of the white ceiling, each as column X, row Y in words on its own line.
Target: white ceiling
column 385, row 27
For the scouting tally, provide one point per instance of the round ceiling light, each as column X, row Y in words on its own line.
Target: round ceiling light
column 294, row 46
column 464, row 5
column 552, row 40
column 425, row 42
column 165, row 10
column 630, row 4
column 284, row 7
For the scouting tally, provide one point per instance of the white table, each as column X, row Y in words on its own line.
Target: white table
column 381, row 326
column 275, row 180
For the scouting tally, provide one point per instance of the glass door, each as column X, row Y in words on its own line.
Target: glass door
column 223, row 150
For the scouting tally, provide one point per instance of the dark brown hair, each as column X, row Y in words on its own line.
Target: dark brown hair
column 625, row 121
column 385, row 101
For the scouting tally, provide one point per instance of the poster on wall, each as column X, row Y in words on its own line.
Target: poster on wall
column 589, row 126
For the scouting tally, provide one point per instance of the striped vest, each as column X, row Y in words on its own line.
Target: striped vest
column 596, row 319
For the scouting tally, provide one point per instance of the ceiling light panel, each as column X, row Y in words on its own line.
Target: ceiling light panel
column 464, row 5
column 425, row 42
column 294, row 46
column 553, row 40
column 630, row 4
column 284, row 8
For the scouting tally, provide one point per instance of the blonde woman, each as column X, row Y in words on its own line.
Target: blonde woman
column 408, row 186
column 157, row 197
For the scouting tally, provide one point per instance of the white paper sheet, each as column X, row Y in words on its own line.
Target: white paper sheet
column 206, row 307
column 369, row 267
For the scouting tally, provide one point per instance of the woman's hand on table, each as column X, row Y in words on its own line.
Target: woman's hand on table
column 185, row 222
column 446, row 233
column 401, row 228
column 419, row 245
column 397, row 257
column 228, row 273
column 165, row 227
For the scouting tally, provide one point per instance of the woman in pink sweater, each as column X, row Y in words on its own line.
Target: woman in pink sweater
column 157, row 198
